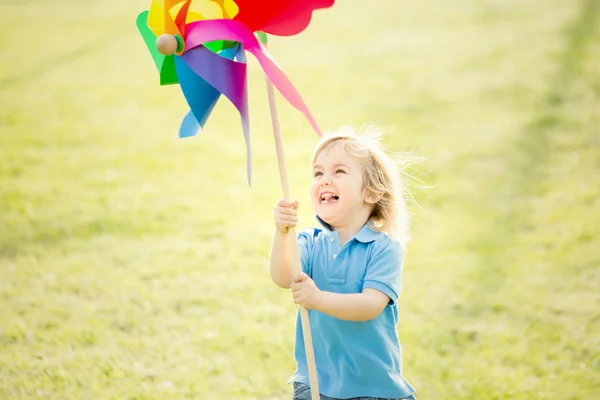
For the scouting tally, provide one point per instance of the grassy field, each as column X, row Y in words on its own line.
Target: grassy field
column 133, row 264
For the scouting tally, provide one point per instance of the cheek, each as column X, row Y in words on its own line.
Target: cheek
column 314, row 189
column 349, row 188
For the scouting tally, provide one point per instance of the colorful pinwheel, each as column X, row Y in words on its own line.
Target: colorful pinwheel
column 201, row 45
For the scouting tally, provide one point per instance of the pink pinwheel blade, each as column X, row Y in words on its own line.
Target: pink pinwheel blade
column 200, row 32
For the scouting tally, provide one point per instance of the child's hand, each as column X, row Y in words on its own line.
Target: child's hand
column 305, row 292
column 285, row 215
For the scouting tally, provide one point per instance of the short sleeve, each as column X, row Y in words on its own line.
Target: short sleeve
column 305, row 246
column 384, row 271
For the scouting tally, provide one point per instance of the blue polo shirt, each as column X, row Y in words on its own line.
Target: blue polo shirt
column 353, row 359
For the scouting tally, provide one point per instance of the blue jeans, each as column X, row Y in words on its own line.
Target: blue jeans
column 302, row 392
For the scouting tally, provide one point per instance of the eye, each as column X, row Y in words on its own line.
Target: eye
column 317, row 173
column 340, row 171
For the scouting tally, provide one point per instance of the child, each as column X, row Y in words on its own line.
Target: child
column 351, row 271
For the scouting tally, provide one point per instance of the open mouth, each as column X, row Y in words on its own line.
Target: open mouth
column 328, row 197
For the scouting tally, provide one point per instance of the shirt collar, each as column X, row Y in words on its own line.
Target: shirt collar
column 365, row 235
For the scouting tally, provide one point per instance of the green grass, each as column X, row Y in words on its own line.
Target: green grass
column 133, row 264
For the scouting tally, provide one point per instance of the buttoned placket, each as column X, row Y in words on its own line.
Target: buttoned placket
column 336, row 259
column 335, row 247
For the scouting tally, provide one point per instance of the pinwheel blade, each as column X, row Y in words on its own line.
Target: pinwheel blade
column 225, row 76
column 189, row 126
column 281, row 18
column 221, row 72
column 164, row 64
column 200, row 96
column 201, row 32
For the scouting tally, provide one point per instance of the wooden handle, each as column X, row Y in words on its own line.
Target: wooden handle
column 285, row 187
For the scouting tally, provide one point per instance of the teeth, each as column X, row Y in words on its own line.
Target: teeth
column 327, row 196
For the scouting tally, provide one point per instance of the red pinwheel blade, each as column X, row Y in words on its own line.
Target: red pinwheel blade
column 280, row 18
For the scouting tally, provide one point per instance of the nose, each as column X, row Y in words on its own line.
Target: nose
column 326, row 180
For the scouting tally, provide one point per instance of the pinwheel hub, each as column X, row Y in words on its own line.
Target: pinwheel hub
column 168, row 44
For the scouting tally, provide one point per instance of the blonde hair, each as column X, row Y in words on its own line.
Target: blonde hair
column 382, row 178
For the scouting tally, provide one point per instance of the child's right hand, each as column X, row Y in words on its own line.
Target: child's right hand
column 286, row 215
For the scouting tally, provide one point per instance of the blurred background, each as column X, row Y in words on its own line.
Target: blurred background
column 133, row 264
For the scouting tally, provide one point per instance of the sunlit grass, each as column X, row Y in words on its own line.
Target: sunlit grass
column 133, row 263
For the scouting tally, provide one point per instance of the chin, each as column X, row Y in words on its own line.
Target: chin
column 330, row 213
column 327, row 217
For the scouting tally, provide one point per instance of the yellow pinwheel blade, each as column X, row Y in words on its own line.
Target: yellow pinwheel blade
column 161, row 22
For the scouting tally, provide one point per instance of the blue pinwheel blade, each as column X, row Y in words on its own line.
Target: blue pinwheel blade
column 200, row 96
column 189, row 126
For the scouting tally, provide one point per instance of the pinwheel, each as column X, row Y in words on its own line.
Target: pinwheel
column 201, row 45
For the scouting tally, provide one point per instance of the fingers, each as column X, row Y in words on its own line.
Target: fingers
column 286, row 211
column 286, row 218
column 304, row 290
column 299, row 296
column 301, row 277
column 287, row 204
column 286, row 215
column 286, row 221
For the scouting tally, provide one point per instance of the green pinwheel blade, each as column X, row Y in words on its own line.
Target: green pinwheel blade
column 168, row 74
column 164, row 64
column 219, row 45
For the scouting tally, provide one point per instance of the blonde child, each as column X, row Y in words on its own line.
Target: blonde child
column 352, row 268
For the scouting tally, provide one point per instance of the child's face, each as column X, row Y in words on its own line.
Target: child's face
column 337, row 188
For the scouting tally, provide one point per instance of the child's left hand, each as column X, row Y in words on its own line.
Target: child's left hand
column 305, row 292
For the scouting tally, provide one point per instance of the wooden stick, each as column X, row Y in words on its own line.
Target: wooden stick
column 297, row 268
